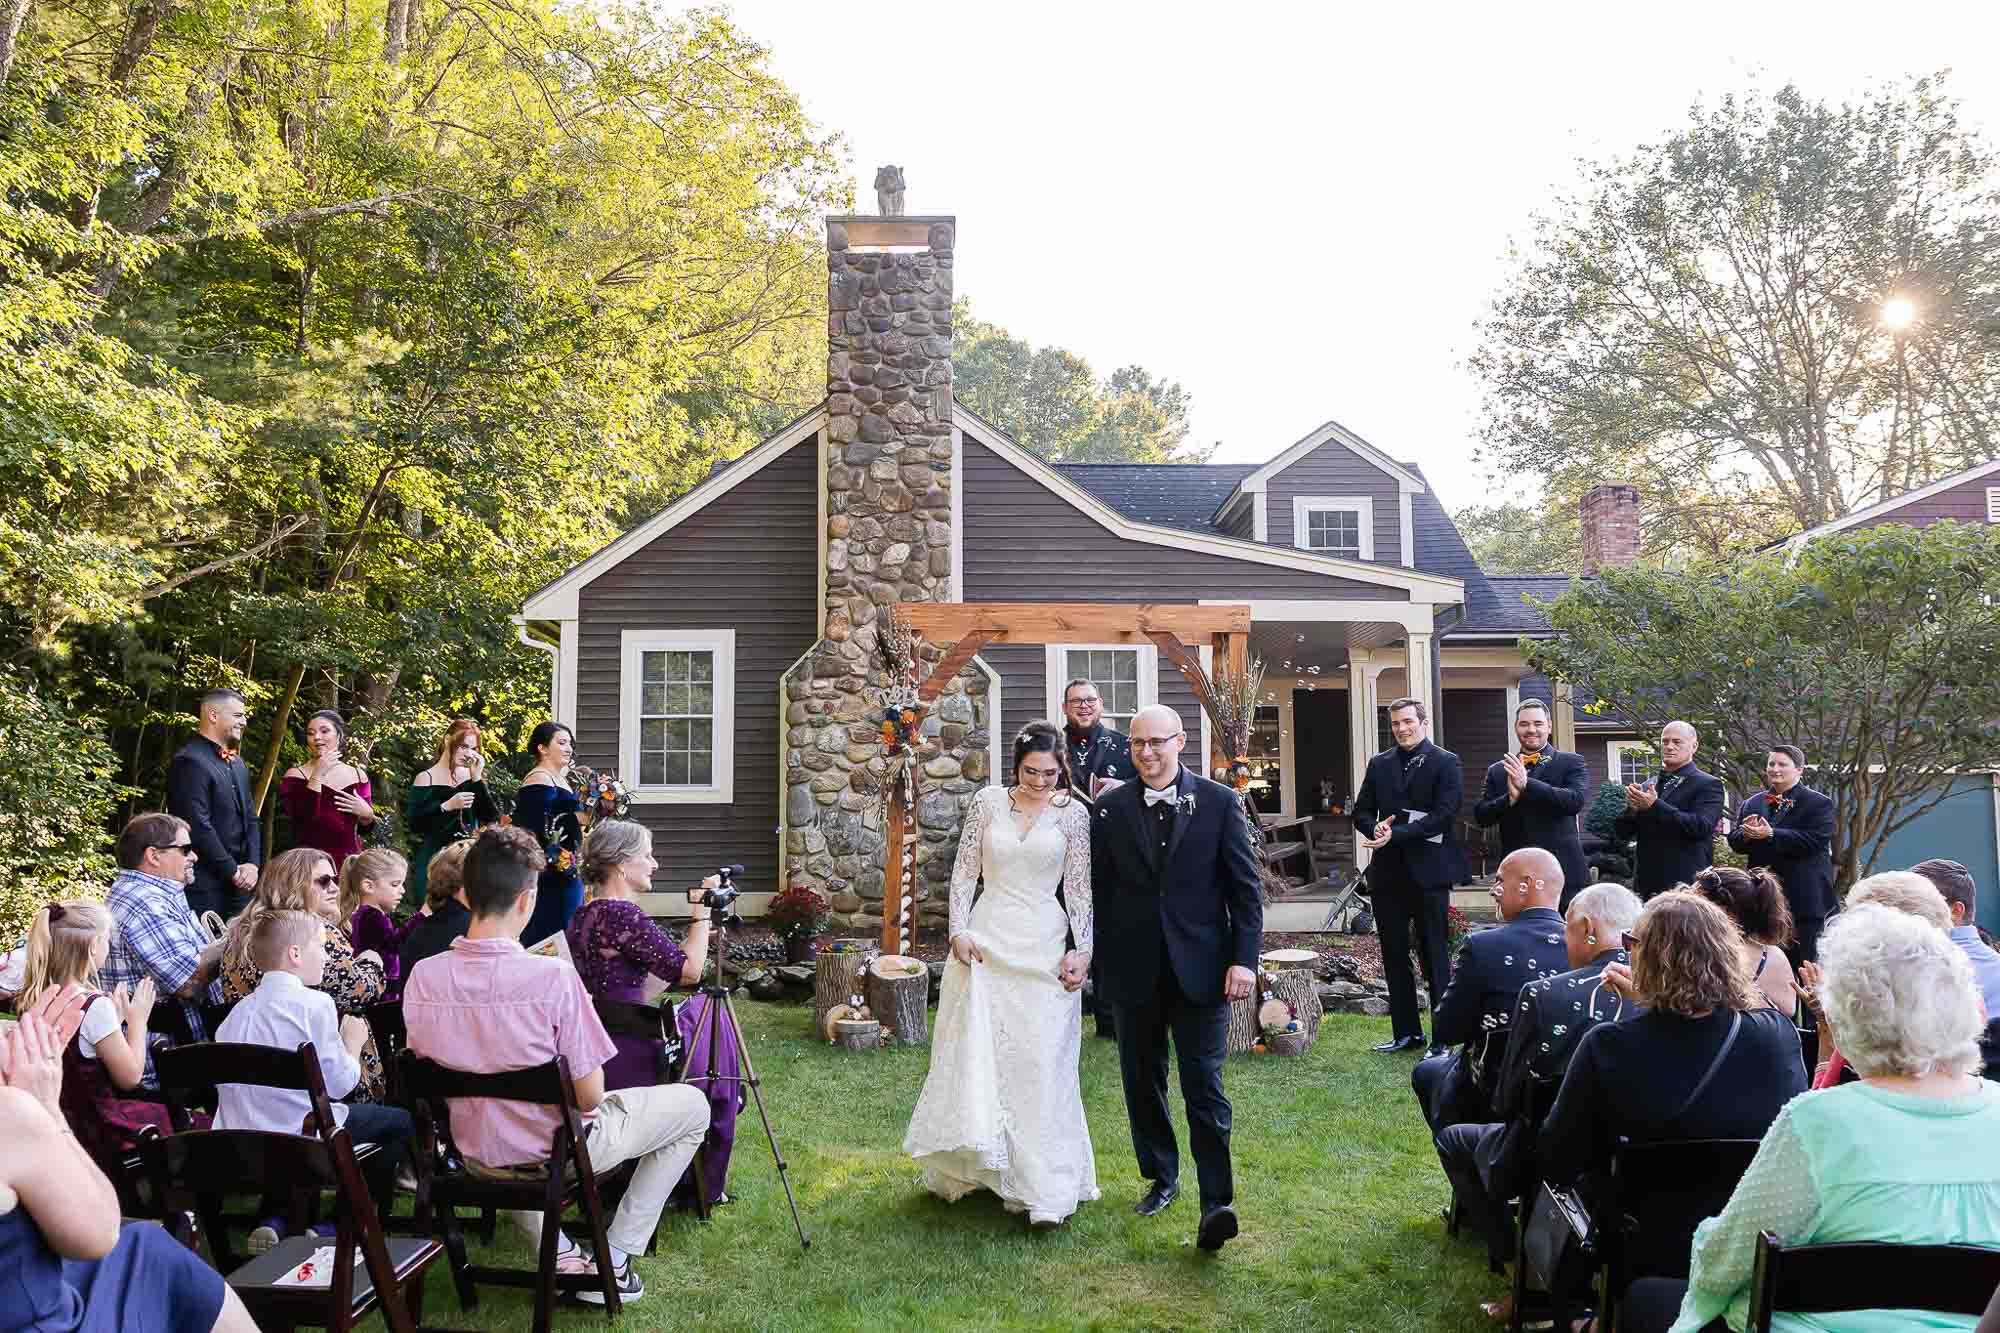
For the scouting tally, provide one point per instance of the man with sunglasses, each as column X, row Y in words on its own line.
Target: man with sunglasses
column 154, row 933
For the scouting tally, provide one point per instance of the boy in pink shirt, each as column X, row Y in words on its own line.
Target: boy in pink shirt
column 486, row 1005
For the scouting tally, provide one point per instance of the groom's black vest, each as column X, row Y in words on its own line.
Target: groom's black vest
column 1194, row 905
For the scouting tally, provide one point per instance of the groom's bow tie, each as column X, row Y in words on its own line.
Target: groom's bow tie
column 1159, row 797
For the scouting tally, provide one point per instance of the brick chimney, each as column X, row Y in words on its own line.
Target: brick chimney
column 1610, row 526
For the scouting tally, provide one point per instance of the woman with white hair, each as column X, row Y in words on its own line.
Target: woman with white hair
column 1904, row 1156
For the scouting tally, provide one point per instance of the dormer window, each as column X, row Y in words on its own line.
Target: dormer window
column 1342, row 526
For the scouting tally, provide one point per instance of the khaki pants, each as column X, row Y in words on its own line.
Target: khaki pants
column 660, row 1128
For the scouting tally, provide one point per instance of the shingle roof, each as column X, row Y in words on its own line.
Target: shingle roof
column 1174, row 495
column 1510, row 589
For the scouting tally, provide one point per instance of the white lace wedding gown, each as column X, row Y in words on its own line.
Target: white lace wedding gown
column 1001, row 1108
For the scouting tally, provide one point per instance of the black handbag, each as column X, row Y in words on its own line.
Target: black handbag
column 1556, row 1244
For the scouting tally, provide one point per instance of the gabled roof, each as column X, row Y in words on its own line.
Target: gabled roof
column 1175, row 495
column 1332, row 432
column 557, row 599
column 1889, row 506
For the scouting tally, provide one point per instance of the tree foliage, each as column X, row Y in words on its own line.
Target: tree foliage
column 1514, row 538
column 329, row 329
column 1054, row 405
column 1872, row 651
column 1704, row 318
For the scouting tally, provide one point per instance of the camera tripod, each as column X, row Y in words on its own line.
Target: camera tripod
column 719, row 1010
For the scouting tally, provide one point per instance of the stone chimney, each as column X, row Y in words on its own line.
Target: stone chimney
column 888, row 539
column 1610, row 526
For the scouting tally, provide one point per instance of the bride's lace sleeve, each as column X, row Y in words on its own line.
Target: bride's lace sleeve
column 965, row 870
column 1076, row 876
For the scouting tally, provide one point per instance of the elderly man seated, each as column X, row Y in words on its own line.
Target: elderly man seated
column 1492, row 967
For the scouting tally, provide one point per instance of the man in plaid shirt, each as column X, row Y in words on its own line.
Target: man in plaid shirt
column 154, row 932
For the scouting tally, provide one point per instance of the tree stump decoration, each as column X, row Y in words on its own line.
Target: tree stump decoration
column 858, row 1034
column 899, row 992
column 836, row 980
column 1243, row 1030
column 1289, row 975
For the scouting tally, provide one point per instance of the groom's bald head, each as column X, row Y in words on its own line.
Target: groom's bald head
column 1157, row 737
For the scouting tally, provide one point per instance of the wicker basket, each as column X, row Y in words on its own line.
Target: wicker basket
column 1288, row 1043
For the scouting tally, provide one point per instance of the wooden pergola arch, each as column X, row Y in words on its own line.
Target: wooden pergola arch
column 962, row 629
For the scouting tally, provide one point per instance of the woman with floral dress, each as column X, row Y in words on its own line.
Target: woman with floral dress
column 303, row 880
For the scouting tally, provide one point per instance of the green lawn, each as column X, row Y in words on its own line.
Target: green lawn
column 1336, row 1181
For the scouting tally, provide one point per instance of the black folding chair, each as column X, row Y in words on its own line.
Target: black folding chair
column 1827, row 1279
column 1660, row 1192
column 564, row 1181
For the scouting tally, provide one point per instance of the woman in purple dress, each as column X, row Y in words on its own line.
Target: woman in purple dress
column 326, row 797
column 616, row 947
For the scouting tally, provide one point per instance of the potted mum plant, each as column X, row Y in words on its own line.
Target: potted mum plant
column 800, row 915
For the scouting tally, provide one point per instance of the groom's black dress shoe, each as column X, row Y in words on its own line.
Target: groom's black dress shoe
column 1218, row 1224
column 1157, row 1198
column 1399, row 1044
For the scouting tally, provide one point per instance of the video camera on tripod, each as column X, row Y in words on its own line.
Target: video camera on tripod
column 720, row 900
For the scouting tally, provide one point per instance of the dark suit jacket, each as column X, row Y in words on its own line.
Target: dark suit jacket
column 1436, row 787
column 1200, row 904
column 1486, row 980
column 1545, row 816
column 1800, row 849
column 1677, row 835
column 1105, row 754
column 1550, row 1018
column 214, row 798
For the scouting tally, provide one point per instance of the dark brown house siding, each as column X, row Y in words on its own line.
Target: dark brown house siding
column 748, row 561
column 1242, row 524
column 1334, row 469
column 1477, row 730
column 1965, row 503
column 1023, row 542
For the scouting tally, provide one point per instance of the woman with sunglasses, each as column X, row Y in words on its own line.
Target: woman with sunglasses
column 1002, row 1108
column 303, row 880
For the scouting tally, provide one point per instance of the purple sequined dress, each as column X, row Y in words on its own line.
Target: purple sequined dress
column 615, row 947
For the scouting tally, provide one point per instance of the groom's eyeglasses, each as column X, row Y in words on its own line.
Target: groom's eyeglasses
column 1154, row 743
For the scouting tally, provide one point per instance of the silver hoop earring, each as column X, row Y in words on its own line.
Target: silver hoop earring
column 1590, row 939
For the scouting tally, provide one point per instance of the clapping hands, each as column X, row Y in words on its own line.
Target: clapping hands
column 31, row 1050
column 1640, row 796
column 1517, row 775
column 1755, row 827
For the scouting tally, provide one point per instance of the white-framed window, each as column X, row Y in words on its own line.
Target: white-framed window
column 1993, row 504
column 1127, row 677
column 677, row 715
column 1631, row 761
column 1335, row 525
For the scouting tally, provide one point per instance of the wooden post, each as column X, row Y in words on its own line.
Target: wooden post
column 892, row 875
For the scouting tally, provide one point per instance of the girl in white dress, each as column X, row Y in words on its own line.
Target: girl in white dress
column 1002, row 1109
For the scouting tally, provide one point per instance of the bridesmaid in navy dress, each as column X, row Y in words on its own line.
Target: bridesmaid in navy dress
column 616, row 947
column 547, row 808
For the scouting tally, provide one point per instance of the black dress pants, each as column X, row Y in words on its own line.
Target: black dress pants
column 1404, row 912
column 1653, row 1303
column 1200, row 1034
column 1458, row 1152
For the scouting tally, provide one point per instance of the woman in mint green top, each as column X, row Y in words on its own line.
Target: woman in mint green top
column 1906, row 1155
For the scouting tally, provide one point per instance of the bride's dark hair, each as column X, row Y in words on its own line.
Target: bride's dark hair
column 1042, row 737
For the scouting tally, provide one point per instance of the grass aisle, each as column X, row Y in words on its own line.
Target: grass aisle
column 1336, row 1181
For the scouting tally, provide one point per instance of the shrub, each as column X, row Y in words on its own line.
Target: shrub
column 798, row 911
column 58, row 790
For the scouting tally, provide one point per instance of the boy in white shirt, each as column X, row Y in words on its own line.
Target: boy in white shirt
column 285, row 1011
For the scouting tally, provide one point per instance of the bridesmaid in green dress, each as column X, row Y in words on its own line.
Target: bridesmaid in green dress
column 447, row 801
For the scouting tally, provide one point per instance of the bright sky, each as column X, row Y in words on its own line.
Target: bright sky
column 1297, row 211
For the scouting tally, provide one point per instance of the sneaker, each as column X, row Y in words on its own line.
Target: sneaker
column 625, row 1277
column 264, row 1238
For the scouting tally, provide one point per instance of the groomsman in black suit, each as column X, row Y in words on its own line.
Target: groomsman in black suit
column 1534, row 797
column 209, row 787
column 1407, row 813
column 1100, row 758
column 1788, row 828
column 1674, row 817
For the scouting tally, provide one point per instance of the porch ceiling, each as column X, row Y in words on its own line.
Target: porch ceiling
column 1325, row 644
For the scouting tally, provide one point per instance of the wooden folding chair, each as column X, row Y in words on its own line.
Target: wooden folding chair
column 564, row 1181
column 200, row 1166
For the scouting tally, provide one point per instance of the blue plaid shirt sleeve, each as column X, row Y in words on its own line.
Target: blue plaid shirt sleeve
column 156, row 935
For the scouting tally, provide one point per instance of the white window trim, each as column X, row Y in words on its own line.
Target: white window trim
column 1614, row 762
column 1993, row 504
column 1361, row 505
column 721, row 642
column 1055, row 671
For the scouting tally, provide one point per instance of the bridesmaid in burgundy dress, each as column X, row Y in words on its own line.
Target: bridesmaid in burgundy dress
column 616, row 947
column 327, row 798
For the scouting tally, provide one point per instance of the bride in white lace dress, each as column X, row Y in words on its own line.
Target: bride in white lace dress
column 1002, row 1109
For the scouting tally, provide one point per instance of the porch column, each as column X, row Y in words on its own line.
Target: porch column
column 1562, row 724
column 1417, row 675
column 1362, row 672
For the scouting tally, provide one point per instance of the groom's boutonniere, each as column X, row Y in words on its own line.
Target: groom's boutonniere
column 1186, row 804
column 1416, row 763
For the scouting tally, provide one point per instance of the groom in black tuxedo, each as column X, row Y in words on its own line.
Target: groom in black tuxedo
column 1180, row 921
column 1407, row 812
